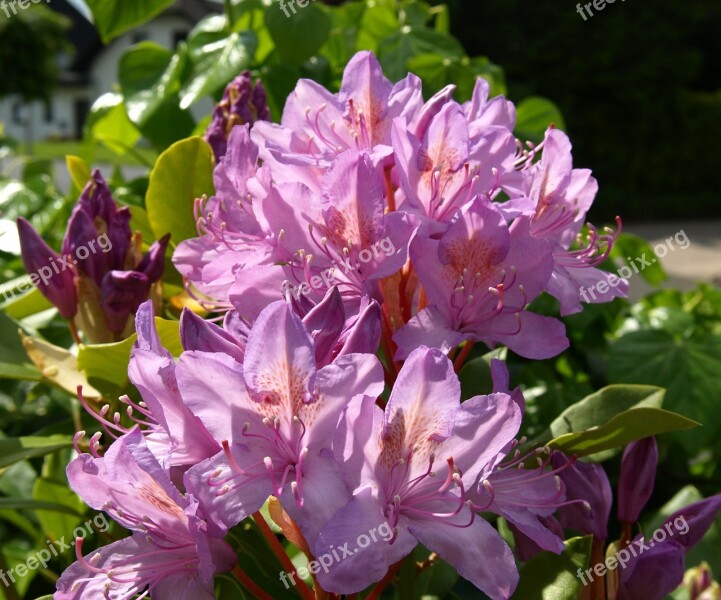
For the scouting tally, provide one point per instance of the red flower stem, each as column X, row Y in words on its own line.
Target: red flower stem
column 463, row 356
column 74, row 332
column 249, row 584
column 389, row 192
column 275, row 545
column 383, row 583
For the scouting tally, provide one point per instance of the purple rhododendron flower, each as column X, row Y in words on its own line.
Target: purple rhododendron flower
column 479, row 277
column 170, row 551
column 274, row 415
column 411, row 466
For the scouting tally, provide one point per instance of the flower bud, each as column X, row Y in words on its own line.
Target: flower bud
column 243, row 102
column 587, row 482
column 55, row 282
column 638, row 474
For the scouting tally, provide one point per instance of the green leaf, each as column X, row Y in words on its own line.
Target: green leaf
column 57, row 524
column 78, row 169
column 182, row 173
column 689, row 368
column 108, row 123
column 148, row 75
column 549, row 576
column 629, row 426
column 13, row 450
column 14, row 362
column 632, row 246
column 395, row 52
column 217, row 56
column 600, row 407
column 30, row 504
column 113, row 17
column 299, row 37
column 106, row 365
column 534, row 115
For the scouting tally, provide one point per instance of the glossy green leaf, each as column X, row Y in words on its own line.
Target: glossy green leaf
column 13, row 450
column 32, row 504
column 600, row 407
column 148, row 75
column 106, row 365
column 79, row 170
column 57, row 524
column 395, row 52
column 108, row 123
column 534, row 116
column 297, row 36
column 216, row 56
column 14, row 361
column 182, row 173
column 629, row 246
column 113, row 17
column 689, row 368
column 549, row 576
column 622, row 429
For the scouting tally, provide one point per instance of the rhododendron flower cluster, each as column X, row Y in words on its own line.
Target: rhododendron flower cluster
column 417, row 229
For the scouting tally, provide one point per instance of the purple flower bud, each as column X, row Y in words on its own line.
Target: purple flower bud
column 698, row 581
column 362, row 334
column 588, row 482
column 120, row 236
column 692, row 522
column 56, row 282
column 638, row 474
column 122, row 293
column 324, row 323
column 198, row 334
column 526, row 547
column 243, row 102
column 652, row 574
column 80, row 234
column 153, row 263
column 96, row 199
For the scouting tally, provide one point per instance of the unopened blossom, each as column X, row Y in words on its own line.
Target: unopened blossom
column 170, row 551
column 638, row 475
column 274, row 415
column 411, row 466
column 244, row 102
column 105, row 276
column 657, row 568
column 58, row 285
column 586, row 482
